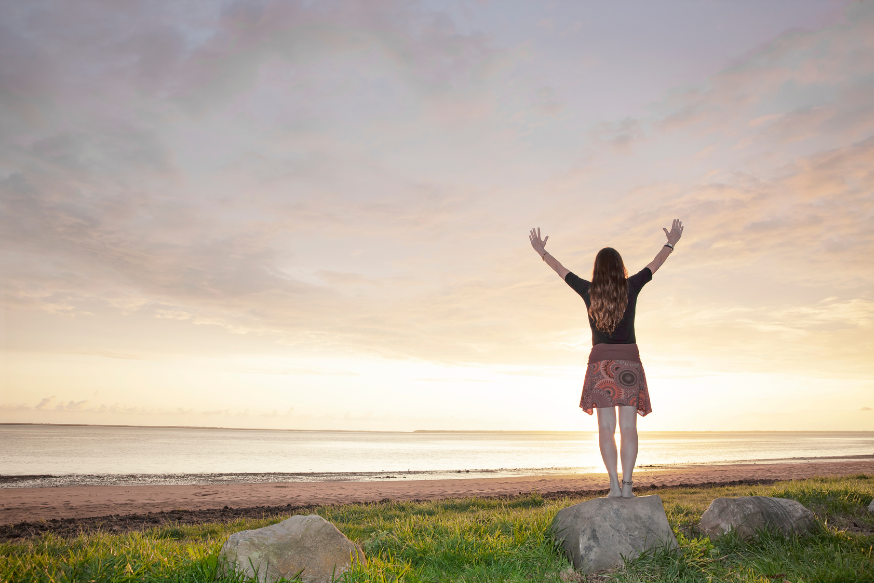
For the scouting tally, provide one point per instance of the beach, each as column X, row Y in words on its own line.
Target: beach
column 18, row 505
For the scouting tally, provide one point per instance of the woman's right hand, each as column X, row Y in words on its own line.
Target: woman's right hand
column 676, row 232
column 539, row 246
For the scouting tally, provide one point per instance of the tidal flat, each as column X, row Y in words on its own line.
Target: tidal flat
column 494, row 539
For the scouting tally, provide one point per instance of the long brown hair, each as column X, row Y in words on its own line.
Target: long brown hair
column 609, row 290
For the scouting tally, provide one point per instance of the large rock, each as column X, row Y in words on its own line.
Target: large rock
column 748, row 514
column 309, row 545
column 598, row 534
column 871, row 506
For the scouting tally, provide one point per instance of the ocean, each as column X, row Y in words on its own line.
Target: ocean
column 59, row 455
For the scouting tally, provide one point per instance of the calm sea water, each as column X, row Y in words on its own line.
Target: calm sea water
column 93, row 454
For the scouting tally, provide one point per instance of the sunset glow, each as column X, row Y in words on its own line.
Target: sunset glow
column 316, row 215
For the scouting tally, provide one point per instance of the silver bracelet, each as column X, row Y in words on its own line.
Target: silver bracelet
column 669, row 245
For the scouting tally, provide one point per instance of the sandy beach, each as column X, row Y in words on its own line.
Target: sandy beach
column 77, row 502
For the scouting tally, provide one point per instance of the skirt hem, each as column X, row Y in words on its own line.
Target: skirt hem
column 612, row 383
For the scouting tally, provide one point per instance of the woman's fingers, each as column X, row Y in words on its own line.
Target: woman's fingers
column 675, row 232
column 534, row 237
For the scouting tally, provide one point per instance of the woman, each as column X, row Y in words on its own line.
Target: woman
column 614, row 376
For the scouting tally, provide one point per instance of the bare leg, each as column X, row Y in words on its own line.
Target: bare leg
column 628, row 429
column 606, row 430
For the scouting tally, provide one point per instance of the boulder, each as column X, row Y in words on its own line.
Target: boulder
column 748, row 514
column 871, row 506
column 599, row 534
column 309, row 545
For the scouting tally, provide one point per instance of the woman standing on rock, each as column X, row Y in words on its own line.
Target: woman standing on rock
column 614, row 376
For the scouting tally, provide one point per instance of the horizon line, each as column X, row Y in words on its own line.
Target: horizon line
column 423, row 430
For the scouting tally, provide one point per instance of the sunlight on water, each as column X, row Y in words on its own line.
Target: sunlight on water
column 61, row 450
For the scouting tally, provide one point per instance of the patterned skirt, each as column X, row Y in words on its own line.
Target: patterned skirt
column 610, row 383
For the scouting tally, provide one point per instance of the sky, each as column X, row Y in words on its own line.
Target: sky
column 315, row 215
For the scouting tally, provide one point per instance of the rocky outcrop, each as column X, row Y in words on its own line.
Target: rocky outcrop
column 306, row 545
column 599, row 534
column 749, row 514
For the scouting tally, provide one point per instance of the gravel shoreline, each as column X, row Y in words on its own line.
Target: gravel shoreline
column 26, row 512
column 120, row 524
column 60, row 481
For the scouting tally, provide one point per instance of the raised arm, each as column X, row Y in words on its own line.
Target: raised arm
column 551, row 261
column 673, row 237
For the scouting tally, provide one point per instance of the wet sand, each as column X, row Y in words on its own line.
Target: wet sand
column 76, row 502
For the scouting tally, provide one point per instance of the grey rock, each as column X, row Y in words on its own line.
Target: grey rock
column 599, row 534
column 871, row 506
column 748, row 514
column 309, row 545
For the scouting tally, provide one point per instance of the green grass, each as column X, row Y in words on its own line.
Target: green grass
column 491, row 540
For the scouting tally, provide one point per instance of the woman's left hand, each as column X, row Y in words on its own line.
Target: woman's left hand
column 539, row 246
column 676, row 232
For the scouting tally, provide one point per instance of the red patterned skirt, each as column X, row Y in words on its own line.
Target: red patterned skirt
column 617, row 380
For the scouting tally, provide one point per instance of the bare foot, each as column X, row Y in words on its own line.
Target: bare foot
column 615, row 489
column 626, row 490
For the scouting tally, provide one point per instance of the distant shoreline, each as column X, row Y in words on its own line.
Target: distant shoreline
column 2, row 424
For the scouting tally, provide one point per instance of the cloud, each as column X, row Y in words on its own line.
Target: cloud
column 44, row 403
column 546, row 101
column 71, row 405
column 339, row 279
column 814, row 213
column 802, row 86
column 620, row 135
column 192, row 59
column 112, row 354
column 340, row 178
column 296, row 371
column 172, row 314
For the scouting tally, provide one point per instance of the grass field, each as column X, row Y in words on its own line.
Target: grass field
column 491, row 540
